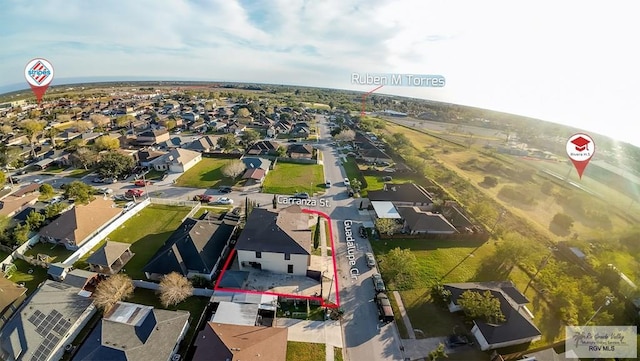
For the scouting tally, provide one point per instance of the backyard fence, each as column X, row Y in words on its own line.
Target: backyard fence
column 174, row 202
column 202, row 292
column 98, row 237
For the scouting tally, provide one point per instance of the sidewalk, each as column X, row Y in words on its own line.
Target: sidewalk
column 403, row 313
column 329, row 332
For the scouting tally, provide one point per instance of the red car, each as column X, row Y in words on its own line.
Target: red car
column 135, row 192
column 204, row 198
column 142, row 183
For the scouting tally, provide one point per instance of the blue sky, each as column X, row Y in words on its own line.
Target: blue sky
column 568, row 62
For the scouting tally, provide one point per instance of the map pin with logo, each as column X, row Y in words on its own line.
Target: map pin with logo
column 580, row 149
column 39, row 74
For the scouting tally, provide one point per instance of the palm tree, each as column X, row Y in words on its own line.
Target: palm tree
column 51, row 134
column 32, row 129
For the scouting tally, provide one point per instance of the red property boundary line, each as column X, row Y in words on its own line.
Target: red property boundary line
column 217, row 287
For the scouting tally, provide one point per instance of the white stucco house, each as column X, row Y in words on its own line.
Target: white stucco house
column 276, row 241
column 177, row 160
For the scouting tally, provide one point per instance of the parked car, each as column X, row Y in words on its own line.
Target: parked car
column 142, row 183
column 97, row 180
column 204, row 198
column 327, row 184
column 134, row 192
column 362, row 231
column 105, row 190
column 225, row 189
column 385, row 312
column 371, row 260
column 387, row 178
column 129, row 205
column 346, row 182
column 378, row 284
column 222, row 200
column 301, row 195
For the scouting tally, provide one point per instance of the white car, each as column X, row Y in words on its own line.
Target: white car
column 346, row 182
column 222, row 200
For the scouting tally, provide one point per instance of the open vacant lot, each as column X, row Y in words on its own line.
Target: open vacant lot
column 146, row 232
column 289, row 178
column 206, row 174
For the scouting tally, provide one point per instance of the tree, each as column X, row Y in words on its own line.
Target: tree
column 32, row 129
column 3, row 178
column 106, row 142
column 481, row 305
column 401, row 268
column 99, row 120
column 174, row 288
column 83, row 126
column 233, row 169
column 386, row 226
column 281, row 151
column 84, row 157
column 116, row 288
column 356, row 184
column 51, row 133
column 124, row 121
column 438, row 353
column 114, row 165
column 490, row 181
column 53, row 210
column 562, row 220
column 249, row 136
column 331, row 105
column 20, row 234
column 35, row 220
column 243, row 113
column 79, row 191
column 345, row 135
column 6, row 129
column 46, row 190
column 227, row 141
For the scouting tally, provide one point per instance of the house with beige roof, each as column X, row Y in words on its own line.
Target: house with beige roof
column 177, row 160
column 12, row 204
column 11, row 297
column 225, row 342
column 76, row 226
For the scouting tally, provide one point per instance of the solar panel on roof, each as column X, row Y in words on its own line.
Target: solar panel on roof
column 37, row 318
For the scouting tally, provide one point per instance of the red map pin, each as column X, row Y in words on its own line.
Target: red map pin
column 39, row 74
column 580, row 149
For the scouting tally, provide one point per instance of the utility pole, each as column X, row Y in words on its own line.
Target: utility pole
column 498, row 220
column 607, row 302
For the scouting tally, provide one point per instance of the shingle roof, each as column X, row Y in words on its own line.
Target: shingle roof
column 196, row 245
column 221, row 342
column 108, row 253
column 9, row 292
column 286, row 231
column 517, row 326
column 418, row 220
column 404, row 192
column 131, row 332
column 256, row 173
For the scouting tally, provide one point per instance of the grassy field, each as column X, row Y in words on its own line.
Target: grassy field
column 56, row 252
column 146, row 232
column 79, row 173
column 195, row 305
column 290, row 178
column 304, row 351
column 31, row 279
column 206, row 174
column 450, row 261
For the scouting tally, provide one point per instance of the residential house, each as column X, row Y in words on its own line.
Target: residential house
column 76, row 226
column 47, row 321
column 110, row 258
column 177, row 160
column 204, row 144
column 196, row 248
column 301, row 129
column 417, row 221
column 256, row 162
column 283, row 127
column 11, row 297
column 518, row 327
column 254, row 175
column 234, row 128
column 222, row 342
column 146, row 156
column 151, row 137
column 174, row 142
column 199, row 126
column 403, row 194
column 13, row 204
column 271, row 132
column 276, row 241
column 300, row 151
column 17, row 140
column 263, row 147
column 133, row 332
column 190, row 117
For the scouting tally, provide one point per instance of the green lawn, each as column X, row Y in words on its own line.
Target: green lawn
column 147, row 231
column 337, row 354
column 57, row 252
column 376, row 183
column 31, row 280
column 54, row 170
column 206, row 174
column 79, row 173
column 212, row 209
column 154, row 175
column 3, row 255
column 290, row 178
column 195, row 305
column 304, row 351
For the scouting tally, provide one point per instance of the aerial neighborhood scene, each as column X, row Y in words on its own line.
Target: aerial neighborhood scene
column 188, row 218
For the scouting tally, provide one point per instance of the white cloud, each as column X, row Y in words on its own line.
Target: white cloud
column 569, row 62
